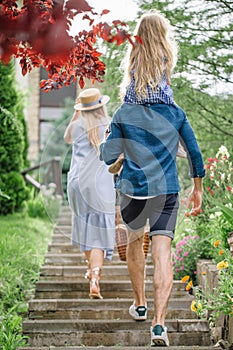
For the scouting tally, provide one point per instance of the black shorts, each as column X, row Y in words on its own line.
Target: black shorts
column 161, row 212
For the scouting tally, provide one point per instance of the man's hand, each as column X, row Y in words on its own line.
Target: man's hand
column 195, row 197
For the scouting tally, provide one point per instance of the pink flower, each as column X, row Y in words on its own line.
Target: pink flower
column 177, row 270
column 186, row 253
column 182, row 267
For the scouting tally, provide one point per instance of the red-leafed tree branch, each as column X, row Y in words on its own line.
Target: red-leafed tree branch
column 38, row 34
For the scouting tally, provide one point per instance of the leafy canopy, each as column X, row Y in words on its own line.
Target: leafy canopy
column 38, row 34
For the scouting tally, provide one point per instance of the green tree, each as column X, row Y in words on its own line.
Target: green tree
column 12, row 144
column 204, row 33
column 12, row 100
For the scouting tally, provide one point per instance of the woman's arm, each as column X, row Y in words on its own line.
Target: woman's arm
column 112, row 146
column 68, row 131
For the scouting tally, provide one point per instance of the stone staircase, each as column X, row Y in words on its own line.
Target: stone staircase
column 62, row 317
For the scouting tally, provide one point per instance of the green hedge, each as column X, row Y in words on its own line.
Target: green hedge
column 13, row 144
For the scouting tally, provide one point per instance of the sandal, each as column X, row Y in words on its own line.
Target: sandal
column 87, row 275
column 94, row 283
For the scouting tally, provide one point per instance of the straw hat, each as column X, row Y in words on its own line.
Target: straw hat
column 90, row 99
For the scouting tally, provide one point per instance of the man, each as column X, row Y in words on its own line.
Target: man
column 148, row 136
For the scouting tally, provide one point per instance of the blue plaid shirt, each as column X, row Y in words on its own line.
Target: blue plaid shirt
column 163, row 93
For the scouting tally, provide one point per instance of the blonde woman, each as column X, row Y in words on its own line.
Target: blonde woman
column 147, row 129
column 90, row 186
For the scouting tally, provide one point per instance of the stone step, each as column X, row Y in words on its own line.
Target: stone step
column 78, row 258
column 107, row 309
column 63, row 248
column 61, row 236
column 65, row 221
column 109, row 272
column 66, row 247
column 109, row 289
column 193, row 347
column 113, row 332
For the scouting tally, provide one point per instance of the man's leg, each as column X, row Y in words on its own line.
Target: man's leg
column 163, row 276
column 136, row 266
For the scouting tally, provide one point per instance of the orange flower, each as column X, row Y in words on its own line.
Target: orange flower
column 203, row 273
column 221, row 252
column 189, row 285
column 185, row 278
column 217, row 243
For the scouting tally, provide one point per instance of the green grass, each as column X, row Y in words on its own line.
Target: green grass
column 23, row 244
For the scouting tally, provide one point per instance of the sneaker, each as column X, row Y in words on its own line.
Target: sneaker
column 159, row 336
column 138, row 313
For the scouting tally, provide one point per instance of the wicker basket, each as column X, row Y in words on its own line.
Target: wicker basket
column 146, row 243
column 122, row 241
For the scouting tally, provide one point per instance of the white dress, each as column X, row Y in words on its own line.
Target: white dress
column 91, row 194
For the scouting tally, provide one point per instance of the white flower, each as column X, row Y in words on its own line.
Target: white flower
column 223, row 151
column 217, row 183
column 222, row 177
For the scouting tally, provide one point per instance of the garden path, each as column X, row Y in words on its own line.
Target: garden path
column 62, row 317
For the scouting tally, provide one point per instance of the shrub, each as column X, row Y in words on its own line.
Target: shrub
column 45, row 204
column 219, row 300
column 11, row 143
column 12, row 101
column 185, row 256
column 15, row 192
column 213, row 223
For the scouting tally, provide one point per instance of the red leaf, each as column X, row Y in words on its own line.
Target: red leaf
column 78, row 5
column 118, row 22
column 138, row 39
column 81, row 82
column 105, row 12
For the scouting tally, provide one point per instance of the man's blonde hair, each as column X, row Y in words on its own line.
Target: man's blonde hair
column 149, row 60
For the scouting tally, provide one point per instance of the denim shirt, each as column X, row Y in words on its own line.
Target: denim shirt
column 148, row 135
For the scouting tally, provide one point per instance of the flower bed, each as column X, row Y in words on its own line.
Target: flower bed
column 208, row 277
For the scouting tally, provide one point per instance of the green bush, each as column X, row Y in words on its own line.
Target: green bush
column 15, row 192
column 46, row 204
column 12, row 101
column 23, row 243
column 212, row 224
column 11, row 142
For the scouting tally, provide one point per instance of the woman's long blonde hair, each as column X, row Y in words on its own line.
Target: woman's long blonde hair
column 93, row 120
column 149, row 60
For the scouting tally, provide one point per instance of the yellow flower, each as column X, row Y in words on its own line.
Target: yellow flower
column 185, row 278
column 217, row 243
column 222, row 265
column 194, row 306
column 221, row 252
column 189, row 285
column 203, row 273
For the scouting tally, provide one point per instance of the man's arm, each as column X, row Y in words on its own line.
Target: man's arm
column 195, row 197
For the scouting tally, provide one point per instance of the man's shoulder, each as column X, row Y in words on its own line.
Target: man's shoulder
column 126, row 110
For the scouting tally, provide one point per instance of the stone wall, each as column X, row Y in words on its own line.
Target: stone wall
column 223, row 329
column 29, row 86
column 230, row 241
